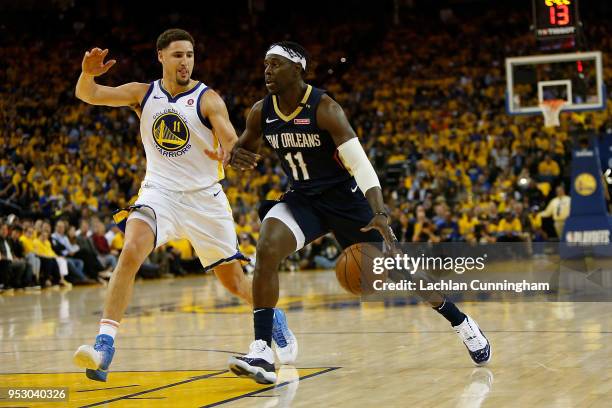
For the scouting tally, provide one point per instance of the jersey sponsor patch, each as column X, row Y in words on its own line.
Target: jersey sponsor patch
column 301, row 121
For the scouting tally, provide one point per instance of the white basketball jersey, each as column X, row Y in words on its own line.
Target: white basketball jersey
column 175, row 135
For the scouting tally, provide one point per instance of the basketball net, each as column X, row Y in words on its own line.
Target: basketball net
column 551, row 109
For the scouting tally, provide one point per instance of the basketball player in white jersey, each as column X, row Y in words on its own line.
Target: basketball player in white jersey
column 182, row 121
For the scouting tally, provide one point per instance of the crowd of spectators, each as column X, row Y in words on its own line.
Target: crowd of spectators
column 425, row 97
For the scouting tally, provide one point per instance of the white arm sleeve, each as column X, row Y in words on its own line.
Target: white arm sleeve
column 355, row 160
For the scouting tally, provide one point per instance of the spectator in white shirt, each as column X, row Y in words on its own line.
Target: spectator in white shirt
column 559, row 209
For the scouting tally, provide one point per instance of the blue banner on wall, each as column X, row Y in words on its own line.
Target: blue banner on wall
column 589, row 223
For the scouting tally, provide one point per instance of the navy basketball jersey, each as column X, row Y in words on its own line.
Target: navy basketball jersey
column 307, row 153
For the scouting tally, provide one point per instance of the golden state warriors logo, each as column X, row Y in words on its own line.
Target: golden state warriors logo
column 585, row 184
column 171, row 133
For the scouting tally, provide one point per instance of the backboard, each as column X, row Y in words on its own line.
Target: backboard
column 576, row 78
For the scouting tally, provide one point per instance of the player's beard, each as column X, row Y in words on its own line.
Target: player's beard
column 182, row 82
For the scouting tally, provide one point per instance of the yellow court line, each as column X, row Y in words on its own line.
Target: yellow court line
column 189, row 388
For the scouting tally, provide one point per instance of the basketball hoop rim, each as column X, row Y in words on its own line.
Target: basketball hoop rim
column 553, row 103
column 551, row 109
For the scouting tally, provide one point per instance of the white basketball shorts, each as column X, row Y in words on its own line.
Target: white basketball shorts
column 204, row 217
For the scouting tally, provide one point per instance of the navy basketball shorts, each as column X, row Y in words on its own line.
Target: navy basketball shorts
column 341, row 209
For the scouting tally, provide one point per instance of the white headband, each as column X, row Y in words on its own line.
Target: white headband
column 287, row 53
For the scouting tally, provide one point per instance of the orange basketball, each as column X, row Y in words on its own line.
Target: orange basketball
column 354, row 268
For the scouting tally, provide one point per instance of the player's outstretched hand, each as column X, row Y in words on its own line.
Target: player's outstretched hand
column 243, row 159
column 93, row 62
column 219, row 155
column 381, row 224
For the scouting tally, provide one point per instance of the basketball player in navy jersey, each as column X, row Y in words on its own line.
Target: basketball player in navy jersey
column 333, row 188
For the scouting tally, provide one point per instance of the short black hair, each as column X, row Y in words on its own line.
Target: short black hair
column 171, row 35
column 293, row 48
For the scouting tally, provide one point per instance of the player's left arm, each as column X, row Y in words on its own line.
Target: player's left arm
column 213, row 108
column 331, row 117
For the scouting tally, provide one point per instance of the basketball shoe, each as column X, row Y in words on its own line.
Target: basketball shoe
column 96, row 359
column 283, row 337
column 477, row 344
column 258, row 364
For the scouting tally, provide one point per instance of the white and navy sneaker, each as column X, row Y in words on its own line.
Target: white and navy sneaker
column 284, row 339
column 96, row 359
column 477, row 344
column 258, row 364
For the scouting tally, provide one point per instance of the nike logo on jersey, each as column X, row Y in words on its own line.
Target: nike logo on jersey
column 217, row 193
column 157, row 97
column 270, row 121
column 354, row 189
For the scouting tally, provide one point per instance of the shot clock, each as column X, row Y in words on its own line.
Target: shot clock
column 555, row 18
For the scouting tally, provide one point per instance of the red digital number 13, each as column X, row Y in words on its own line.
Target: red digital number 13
column 559, row 15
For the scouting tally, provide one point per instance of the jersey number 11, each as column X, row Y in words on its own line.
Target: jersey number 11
column 294, row 170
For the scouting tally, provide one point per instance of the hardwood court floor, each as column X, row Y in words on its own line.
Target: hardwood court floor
column 173, row 346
